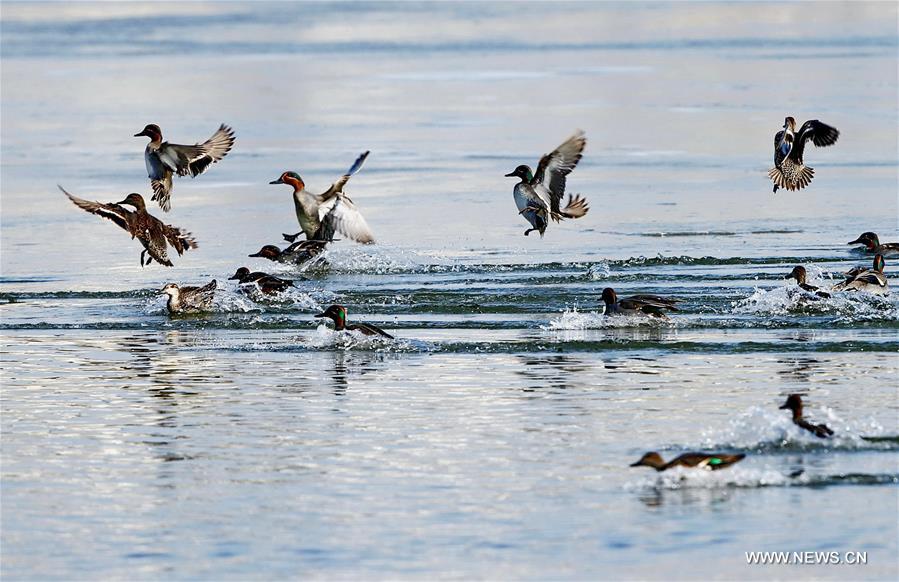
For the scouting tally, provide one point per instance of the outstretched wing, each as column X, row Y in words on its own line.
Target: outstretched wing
column 180, row 239
column 555, row 166
column 193, row 160
column 819, row 133
column 341, row 215
column 337, row 187
column 113, row 212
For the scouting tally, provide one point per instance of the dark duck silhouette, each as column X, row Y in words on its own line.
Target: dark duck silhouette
column 152, row 233
column 636, row 305
column 538, row 195
column 709, row 461
column 297, row 253
column 268, row 284
column 789, row 170
column 873, row 245
column 337, row 314
column 794, row 404
column 164, row 159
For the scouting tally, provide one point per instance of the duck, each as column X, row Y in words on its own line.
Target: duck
column 708, row 461
column 873, row 246
column 297, row 253
column 321, row 215
column 794, row 403
column 637, row 305
column 799, row 273
column 337, row 314
column 789, row 170
column 538, row 195
column 164, row 159
column 189, row 299
column 153, row 234
column 871, row 280
column 268, row 284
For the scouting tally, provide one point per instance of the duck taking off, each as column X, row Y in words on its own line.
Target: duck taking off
column 538, row 195
column 337, row 314
column 708, row 461
column 152, row 233
column 189, row 299
column 322, row 215
column 164, row 159
column 789, row 171
column 871, row 280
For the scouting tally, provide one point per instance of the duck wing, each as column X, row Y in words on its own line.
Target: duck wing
column 555, row 166
column 781, row 148
column 339, row 214
column 199, row 295
column 368, row 329
column 337, row 187
column 194, row 159
column 180, row 239
column 648, row 304
column 118, row 214
column 820, row 134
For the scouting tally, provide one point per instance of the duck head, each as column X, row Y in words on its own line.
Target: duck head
column 171, row 289
column 337, row 313
column 291, row 178
column 267, row 252
column 879, row 263
column 869, row 239
column 793, row 403
column 522, row 172
column 651, row 459
column 152, row 131
column 240, row 274
column 789, row 124
column 134, row 199
column 609, row 296
column 798, row 273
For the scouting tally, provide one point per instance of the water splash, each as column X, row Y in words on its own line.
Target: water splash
column 572, row 319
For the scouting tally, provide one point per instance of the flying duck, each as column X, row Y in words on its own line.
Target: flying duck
column 871, row 280
column 189, row 299
column 152, row 233
column 538, row 195
column 321, row 215
column 789, row 171
column 164, row 158
column 637, row 305
column 268, row 284
column 800, row 275
column 297, row 253
column 794, row 403
column 873, row 246
column 709, row 461
column 337, row 314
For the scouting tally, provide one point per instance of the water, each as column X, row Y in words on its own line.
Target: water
column 492, row 439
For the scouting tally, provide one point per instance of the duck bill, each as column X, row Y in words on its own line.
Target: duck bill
column 857, row 241
column 278, row 181
column 320, row 315
column 510, row 175
column 259, row 254
column 234, row 277
column 637, row 464
column 784, row 407
column 143, row 133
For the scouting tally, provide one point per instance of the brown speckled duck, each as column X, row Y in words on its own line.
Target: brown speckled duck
column 789, row 170
column 189, row 299
column 152, row 233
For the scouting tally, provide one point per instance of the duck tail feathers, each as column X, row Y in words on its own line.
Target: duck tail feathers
column 803, row 178
column 576, row 207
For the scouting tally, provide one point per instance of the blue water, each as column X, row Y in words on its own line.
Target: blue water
column 492, row 438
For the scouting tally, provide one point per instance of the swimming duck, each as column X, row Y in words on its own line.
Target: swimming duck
column 268, row 284
column 800, row 274
column 794, row 403
column 164, row 158
column 789, row 171
column 337, row 314
column 297, row 253
column 873, row 246
column 321, row 215
column 189, row 299
column 538, row 195
column 871, row 280
column 152, row 233
column 709, row 461
column 637, row 305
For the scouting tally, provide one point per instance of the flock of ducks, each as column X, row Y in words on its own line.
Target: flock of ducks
column 538, row 196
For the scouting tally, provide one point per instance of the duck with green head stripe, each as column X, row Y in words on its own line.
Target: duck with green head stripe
column 337, row 314
column 709, row 461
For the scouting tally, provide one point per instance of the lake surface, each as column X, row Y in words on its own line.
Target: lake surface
column 492, row 439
